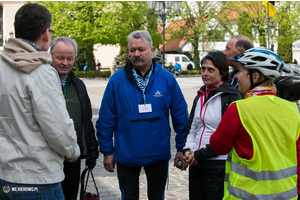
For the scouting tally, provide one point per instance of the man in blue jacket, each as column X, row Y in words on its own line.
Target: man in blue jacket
column 135, row 111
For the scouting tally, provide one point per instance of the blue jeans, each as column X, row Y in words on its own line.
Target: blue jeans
column 14, row 191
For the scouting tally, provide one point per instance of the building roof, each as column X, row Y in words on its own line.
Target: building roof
column 174, row 44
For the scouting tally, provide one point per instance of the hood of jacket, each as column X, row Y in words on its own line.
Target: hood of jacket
column 23, row 56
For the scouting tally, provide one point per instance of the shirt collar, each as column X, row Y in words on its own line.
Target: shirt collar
column 33, row 44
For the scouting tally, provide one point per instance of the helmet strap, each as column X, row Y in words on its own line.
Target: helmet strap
column 251, row 80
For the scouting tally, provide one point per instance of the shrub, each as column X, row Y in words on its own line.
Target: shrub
column 190, row 72
column 91, row 74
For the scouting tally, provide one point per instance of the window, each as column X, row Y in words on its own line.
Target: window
column 176, row 58
column 184, row 59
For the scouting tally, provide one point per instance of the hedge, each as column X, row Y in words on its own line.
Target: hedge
column 91, row 74
column 190, row 72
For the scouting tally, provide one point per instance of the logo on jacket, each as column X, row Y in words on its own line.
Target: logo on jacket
column 158, row 94
column 6, row 189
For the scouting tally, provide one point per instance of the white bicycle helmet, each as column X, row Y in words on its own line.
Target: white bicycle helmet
column 262, row 59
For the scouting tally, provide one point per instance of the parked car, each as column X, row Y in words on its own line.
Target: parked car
column 183, row 60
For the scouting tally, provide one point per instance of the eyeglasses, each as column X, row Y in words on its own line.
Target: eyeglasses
column 52, row 32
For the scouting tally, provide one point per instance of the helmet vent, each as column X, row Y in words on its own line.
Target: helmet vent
column 259, row 58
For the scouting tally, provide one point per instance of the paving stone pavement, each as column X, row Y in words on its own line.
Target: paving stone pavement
column 107, row 182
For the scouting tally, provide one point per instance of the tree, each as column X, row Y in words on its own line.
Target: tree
column 195, row 26
column 287, row 18
column 105, row 22
column 250, row 17
column 85, row 55
column 132, row 16
column 284, row 27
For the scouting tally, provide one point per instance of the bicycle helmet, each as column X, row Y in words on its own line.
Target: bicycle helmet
column 261, row 59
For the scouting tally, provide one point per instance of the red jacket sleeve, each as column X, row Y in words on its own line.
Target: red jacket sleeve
column 222, row 140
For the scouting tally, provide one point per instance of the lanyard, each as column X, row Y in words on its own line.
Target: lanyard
column 139, row 83
column 65, row 89
column 232, row 81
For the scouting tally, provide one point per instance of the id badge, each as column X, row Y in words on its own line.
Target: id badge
column 145, row 108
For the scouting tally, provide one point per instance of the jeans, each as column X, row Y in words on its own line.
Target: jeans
column 14, row 191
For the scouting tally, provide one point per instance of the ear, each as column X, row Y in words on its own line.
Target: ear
column 256, row 77
column 46, row 35
column 152, row 49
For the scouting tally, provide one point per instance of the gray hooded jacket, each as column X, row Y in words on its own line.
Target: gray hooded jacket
column 36, row 132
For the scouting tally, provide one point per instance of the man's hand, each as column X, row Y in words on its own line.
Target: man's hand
column 179, row 156
column 70, row 159
column 189, row 158
column 90, row 163
column 109, row 163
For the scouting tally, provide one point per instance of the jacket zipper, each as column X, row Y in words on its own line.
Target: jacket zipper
column 145, row 119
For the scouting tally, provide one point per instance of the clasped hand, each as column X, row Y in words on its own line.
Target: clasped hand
column 189, row 158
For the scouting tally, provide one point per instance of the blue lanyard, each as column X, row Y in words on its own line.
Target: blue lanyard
column 233, row 81
column 139, row 83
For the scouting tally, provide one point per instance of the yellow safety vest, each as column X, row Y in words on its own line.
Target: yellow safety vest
column 273, row 125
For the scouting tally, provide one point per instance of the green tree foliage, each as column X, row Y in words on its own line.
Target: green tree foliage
column 105, row 22
column 157, row 56
column 131, row 16
column 250, row 16
column 117, row 63
column 87, row 22
column 197, row 27
column 287, row 17
column 85, row 55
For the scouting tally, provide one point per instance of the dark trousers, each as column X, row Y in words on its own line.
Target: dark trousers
column 156, row 174
column 206, row 183
column 70, row 184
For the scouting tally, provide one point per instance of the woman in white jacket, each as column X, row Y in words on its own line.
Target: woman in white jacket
column 206, row 178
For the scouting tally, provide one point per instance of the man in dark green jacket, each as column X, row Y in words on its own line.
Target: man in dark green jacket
column 63, row 51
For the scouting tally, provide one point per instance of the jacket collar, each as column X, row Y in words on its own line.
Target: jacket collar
column 128, row 69
column 225, row 87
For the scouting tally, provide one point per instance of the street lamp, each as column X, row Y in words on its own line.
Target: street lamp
column 161, row 8
column 11, row 34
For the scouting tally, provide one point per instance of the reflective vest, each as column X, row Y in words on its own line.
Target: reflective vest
column 273, row 125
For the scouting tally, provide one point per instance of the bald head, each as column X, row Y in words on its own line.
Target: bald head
column 236, row 45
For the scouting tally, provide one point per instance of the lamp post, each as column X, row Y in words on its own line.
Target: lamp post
column 11, row 34
column 161, row 8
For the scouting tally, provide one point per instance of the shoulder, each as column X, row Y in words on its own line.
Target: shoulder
column 161, row 71
column 118, row 74
column 229, row 89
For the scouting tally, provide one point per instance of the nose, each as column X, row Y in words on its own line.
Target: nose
column 203, row 72
column 225, row 52
column 64, row 62
column 237, row 75
column 136, row 53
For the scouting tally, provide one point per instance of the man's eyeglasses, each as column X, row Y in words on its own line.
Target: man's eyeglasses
column 52, row 32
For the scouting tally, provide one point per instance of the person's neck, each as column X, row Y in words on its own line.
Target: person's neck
column 63, row 77
column 143, row 70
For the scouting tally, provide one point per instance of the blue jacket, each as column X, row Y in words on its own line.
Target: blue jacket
column 177, row 66
column 141, row 139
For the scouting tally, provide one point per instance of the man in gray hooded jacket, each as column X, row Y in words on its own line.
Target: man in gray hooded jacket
column 36, row 132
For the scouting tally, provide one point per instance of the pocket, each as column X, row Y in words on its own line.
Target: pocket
column 145, row 119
